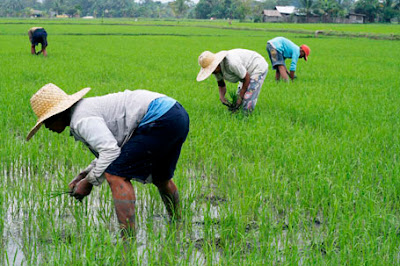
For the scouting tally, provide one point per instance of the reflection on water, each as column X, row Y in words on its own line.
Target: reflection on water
column 23, row 213
column 14, row 255
column 27, row 209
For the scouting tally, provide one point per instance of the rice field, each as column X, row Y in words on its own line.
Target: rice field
column 311, row 177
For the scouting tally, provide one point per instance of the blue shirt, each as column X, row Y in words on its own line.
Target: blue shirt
column 288, row 49
column 156, row 109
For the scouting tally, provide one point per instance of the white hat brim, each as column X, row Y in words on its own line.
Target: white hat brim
column 59, row 108
column 206, row 72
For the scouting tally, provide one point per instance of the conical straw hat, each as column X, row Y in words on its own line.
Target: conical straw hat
column 209, row 62
column 51, row 100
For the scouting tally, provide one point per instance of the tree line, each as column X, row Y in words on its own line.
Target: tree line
column 375, row 10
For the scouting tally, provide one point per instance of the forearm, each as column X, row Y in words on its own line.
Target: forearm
column 246, row 82
column 222, row 91
column 96, row 174
column 95, row 134
column 90, row 166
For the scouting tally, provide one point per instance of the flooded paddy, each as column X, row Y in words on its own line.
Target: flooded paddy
column 39, row 227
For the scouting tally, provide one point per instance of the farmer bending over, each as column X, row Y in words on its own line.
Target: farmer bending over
column 279, row 49
column 134, row 135
column 38, row 35
column 238, row 65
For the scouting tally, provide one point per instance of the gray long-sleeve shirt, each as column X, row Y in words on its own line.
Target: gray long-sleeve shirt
column 106, row 123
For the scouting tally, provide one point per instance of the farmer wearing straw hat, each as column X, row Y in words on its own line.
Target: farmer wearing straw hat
column 134, row 135
column 281, row 48
column 38, row 35
column 238, row 65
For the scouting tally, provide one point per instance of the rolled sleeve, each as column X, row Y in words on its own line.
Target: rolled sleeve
column 94, row 131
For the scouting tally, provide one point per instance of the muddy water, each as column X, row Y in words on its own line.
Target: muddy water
column 13, row 239
column 209, row 208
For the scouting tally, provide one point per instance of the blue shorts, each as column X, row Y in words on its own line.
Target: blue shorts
column 275, row 56
column 39, row 36
column 153, row 151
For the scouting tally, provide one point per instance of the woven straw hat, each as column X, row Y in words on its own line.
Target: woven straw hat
column 209, row 62
column 51, row 100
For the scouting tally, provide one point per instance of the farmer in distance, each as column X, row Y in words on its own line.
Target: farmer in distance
column 38, row 35
column 134, row 135
column 238, row 65
column 281, row 48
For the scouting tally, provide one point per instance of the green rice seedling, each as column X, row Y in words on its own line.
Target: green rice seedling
column 54, row 194
column 233, row 97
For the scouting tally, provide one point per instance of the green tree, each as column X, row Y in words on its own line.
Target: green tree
column 242, row 8
column 203, row 9
column 11, row 7
column 367, row 7
column 327, row 7
column 179, row 7
column 388, row 10
column 306, row 7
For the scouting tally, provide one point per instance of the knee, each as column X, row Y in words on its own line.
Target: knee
column 168, row 185
column 114, row 180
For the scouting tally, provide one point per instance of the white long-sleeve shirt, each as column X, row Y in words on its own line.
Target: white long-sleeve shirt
column 106, row 123
column 238, row 62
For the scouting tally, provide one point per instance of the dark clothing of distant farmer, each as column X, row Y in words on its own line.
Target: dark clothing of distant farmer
column 134, row 135
column 279, row 49
column 38, row 35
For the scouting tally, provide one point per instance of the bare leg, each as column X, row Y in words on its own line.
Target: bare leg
column 170, row 196
column 277, row 75
column 283, row 72
column 124, row 201
column 44, row 51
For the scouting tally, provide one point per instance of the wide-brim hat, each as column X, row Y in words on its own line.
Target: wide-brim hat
column 209, row 62
column 49, row 101
column 306, row 50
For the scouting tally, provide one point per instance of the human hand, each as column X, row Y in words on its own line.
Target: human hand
column 82, row 189
column 227, row 104
column 234, row 107
column 239, row 100
column 75, row 181
column 292, row 76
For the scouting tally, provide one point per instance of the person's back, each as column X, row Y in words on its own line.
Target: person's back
column 239, row 61
column 251, row 60
column 286, row 47
column 121, row 111
column 38, row 35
